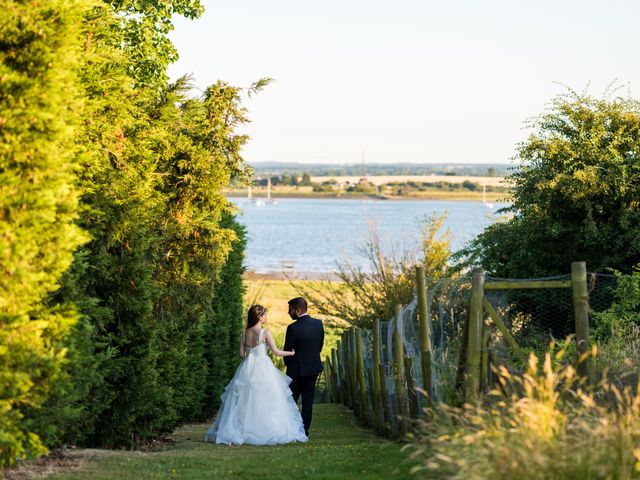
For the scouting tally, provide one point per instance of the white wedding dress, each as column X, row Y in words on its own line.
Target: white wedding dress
column 257, row 406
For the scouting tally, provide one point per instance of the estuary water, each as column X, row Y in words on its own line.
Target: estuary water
column 312, row 234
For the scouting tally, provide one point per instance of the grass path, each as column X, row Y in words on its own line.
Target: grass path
column 338, row 449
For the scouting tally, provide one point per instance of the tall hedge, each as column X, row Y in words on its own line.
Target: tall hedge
column 121, row 260
column 222, row 330
column 39, row 120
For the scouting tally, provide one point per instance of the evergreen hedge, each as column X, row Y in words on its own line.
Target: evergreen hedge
column 121, row 289
column 39, row 121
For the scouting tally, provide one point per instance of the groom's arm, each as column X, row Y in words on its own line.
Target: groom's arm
column 288, row 344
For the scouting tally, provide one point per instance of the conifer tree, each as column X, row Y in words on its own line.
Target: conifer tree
column 40, row 112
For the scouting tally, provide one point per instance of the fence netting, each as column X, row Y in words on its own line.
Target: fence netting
column 533, row 316
column 448, row 302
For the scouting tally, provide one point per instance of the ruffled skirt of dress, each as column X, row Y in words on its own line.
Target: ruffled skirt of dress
column 257, row 407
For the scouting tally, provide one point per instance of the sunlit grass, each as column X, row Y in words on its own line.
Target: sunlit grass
column 338, row 449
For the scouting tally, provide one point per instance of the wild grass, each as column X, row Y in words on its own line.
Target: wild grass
column 544, row 424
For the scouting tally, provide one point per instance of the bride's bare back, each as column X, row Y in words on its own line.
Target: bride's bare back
column 252, row 336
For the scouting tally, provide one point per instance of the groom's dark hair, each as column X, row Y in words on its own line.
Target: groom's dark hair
column 298, row 303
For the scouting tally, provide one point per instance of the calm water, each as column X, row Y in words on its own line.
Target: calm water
column 318, row 232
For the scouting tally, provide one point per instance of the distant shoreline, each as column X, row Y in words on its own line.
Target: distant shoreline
column 457, row 196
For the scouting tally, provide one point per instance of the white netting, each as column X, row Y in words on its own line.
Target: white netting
column 447, row 305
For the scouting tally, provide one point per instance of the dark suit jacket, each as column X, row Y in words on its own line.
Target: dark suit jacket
column 306, row 337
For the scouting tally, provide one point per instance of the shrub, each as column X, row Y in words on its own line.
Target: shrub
column 40, row 53
column 616, row 332
column 574, row 193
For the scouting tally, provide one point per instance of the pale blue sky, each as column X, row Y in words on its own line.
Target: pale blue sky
column 405, row 81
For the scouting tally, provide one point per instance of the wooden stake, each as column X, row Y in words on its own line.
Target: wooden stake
column 337, row 377
column 354, row 371
column 378, row 414
column 581, row 313
column 411, row 390
column 476, row 319
column 386, row 407
column 398, row 351
column 425, row 332
column 364, row 402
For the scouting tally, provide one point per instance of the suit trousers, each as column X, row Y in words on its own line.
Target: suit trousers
column 306, row 387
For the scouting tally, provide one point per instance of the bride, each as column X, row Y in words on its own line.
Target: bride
column 257, row 406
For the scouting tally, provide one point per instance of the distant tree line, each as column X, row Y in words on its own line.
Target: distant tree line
column 366, row 187
column 290, row 180
column 446, row 186
column 120, row 259
column 298, row 169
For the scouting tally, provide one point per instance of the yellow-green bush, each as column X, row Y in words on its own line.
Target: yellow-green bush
column 40, row 113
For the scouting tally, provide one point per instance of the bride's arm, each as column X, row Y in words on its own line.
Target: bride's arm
column 242, row 352
column 272, row 345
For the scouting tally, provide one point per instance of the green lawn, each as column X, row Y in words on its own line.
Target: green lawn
column 338, row 448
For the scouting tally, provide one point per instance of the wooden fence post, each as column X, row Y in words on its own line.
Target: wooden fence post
column 398, row 351
column 362, row 382
column 411, row 388
column 346, row 397
column 340, row 348
column 581, row 313
column 377, row 380
column 347, row 370
column 425, row 332
column 338, row 379
column 476, row 319
column 386, row 407
column 484, row 368
column 354, row 371
column 330, row 385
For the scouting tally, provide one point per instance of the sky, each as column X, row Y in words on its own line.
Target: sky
column 405, row 81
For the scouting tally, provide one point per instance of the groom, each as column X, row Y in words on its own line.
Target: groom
column 306, row 337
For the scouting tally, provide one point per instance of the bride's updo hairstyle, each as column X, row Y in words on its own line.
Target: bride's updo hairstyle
column 255, row 312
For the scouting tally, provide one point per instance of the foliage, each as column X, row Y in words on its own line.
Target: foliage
column 144, row 27
column 162, row 235
column 575, row 193
column 543, row 424
column 306, row 180
column 616, row 331
column 131, row 166
column 365, row 188
column 361, row 296
column 38, row 204
column 221, row 332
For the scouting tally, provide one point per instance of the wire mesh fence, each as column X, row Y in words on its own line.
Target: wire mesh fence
column 533, row 313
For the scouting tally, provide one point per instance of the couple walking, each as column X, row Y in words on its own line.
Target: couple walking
column 258, row 407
